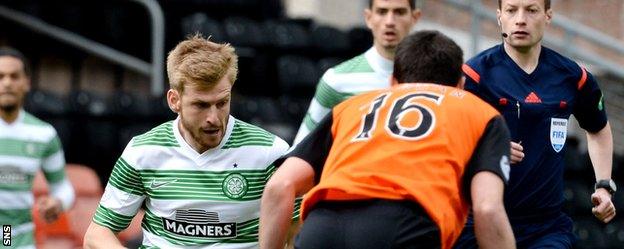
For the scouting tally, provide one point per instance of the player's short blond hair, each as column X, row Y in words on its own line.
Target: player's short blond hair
column 200, row 62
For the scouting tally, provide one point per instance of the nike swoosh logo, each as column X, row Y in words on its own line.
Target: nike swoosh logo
column 154, row 184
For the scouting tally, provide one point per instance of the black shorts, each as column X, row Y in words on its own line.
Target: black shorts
column 365, row 224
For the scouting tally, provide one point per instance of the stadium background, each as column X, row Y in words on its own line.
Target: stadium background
column 284, row 47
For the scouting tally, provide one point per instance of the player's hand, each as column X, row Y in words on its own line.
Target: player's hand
column 50, row 208
column 517, row 153
column 603, row 209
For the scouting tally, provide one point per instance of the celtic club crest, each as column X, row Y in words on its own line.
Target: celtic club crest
column 235, row 186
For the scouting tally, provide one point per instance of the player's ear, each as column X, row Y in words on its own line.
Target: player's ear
column 416, row 13
column 549, row 15
column 28, row 85
column 393, row 81
column 368, row 14
column 173, row 100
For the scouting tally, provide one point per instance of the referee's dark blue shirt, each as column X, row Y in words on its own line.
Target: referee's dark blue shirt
column 536, row 107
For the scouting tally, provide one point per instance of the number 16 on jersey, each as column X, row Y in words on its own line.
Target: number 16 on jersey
column 403, row 105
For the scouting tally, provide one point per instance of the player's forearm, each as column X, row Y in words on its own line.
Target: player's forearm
column 276, row 210
column 492, row 228
column 63, row 191
column 295, row 226
column 100, row 237
column 600, row 148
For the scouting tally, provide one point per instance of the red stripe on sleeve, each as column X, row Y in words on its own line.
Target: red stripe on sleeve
column 471, row 73
column 581, row 82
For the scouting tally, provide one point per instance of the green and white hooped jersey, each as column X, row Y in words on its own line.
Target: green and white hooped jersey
column 192, row 200
column 365, row 72
column 26, row 146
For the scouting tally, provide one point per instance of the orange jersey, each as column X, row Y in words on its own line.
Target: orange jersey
column 410, row 142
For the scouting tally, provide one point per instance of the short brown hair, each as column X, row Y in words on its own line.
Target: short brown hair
column 12, row 52
column 546, row 4
column 412, row 4
column 199, row 61
column 428, row 56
